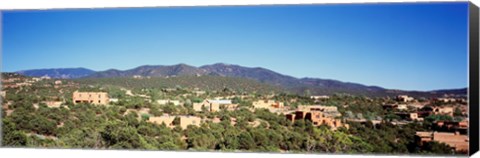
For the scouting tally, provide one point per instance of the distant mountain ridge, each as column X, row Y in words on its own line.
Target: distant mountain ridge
column 63, row 73
column 307, row 86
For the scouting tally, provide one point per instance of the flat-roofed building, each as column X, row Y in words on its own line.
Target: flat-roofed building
column 402, row 107
column 214, row 105
column 443, row 110
column 167, row 120
column 318, row 115
column 184, row 121
column 96, row 98
column 455, row 140
column 267, row 104
column 404, row 98
column 317, row 108
column 408, row 116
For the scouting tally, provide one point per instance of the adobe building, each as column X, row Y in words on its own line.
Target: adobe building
column 452, row 126
column 317, row 108
column 408, row 116
column 455, row 140
column 184, row 122
column 267, row 104
column 214, row 105
column 318, row 115
column 330, row 111
column 96, row 98
column 404, row 98
column 443, row 110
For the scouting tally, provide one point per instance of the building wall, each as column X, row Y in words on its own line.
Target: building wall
column 456, row 141
column 185, row 121
column 402, row 107
column 213, row 106
column 413, row 116
column 267, row 104
column 162, row 119
column 318, row 108
column 97, row 98
column 404, row 98
column 317, row 118
column 444, row 110
column 197, row 106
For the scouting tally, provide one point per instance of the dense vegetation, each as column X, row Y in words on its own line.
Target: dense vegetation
column 101, row 127
column 31, row 123
column 208, row 83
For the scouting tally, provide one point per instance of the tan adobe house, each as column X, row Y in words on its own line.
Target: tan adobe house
column 404, row 98
column 97, row 98
column 185, row 121
column 443, row 110
column 214, row 105
column 408, row 116
column 318, row 115
column 455, row 140
column 267, row 104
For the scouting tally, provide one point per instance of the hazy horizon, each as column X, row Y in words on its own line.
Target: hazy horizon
column 411, row 46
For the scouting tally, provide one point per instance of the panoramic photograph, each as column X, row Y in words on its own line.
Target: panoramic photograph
column 374, row 78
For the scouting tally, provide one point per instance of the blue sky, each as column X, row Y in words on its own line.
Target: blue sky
column 419, row 46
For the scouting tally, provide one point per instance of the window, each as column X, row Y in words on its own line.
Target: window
column 99, row 96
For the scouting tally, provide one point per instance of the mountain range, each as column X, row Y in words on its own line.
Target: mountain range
column 63, row 73
column 311, row 86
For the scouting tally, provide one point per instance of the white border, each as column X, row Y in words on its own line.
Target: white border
column 63, row 4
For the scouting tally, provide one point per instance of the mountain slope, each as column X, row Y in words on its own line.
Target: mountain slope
column 65, row 73
column 209, row 83
column 260, row 74
column 307, row 86
column 153, row 71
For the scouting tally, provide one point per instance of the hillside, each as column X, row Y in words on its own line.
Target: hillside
column 209, row 83
column 64, row 73
column 308, row 86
